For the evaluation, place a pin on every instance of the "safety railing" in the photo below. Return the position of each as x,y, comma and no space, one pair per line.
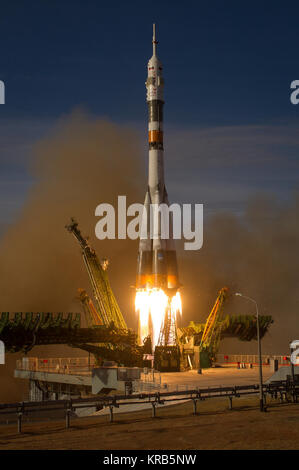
64,365
251,359
150,380
285,390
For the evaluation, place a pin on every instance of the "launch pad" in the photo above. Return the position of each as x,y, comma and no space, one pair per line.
158,301
72,378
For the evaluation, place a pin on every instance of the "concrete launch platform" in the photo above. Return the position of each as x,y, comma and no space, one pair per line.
178,381
213,377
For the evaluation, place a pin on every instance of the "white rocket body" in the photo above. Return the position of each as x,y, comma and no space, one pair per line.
157,264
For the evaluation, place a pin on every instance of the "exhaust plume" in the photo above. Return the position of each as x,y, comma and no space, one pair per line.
86,161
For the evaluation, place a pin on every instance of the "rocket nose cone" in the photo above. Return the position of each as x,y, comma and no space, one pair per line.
154,61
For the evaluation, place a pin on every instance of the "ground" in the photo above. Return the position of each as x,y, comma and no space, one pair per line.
175,427
216,427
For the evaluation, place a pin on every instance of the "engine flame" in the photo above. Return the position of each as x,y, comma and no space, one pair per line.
151,305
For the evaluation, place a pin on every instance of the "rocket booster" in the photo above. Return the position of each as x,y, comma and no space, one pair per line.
157,263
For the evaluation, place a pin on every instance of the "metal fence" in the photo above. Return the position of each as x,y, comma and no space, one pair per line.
150,377
285,390
61,365
251,359
150,380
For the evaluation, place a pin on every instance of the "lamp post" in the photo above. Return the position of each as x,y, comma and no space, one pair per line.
259,349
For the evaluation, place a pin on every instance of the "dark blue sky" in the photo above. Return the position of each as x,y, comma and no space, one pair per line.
228,66
225,62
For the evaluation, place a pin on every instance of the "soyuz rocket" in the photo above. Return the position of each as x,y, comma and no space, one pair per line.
157,263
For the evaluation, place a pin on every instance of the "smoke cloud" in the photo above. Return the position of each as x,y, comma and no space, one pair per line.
87,161
256,255
84,162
